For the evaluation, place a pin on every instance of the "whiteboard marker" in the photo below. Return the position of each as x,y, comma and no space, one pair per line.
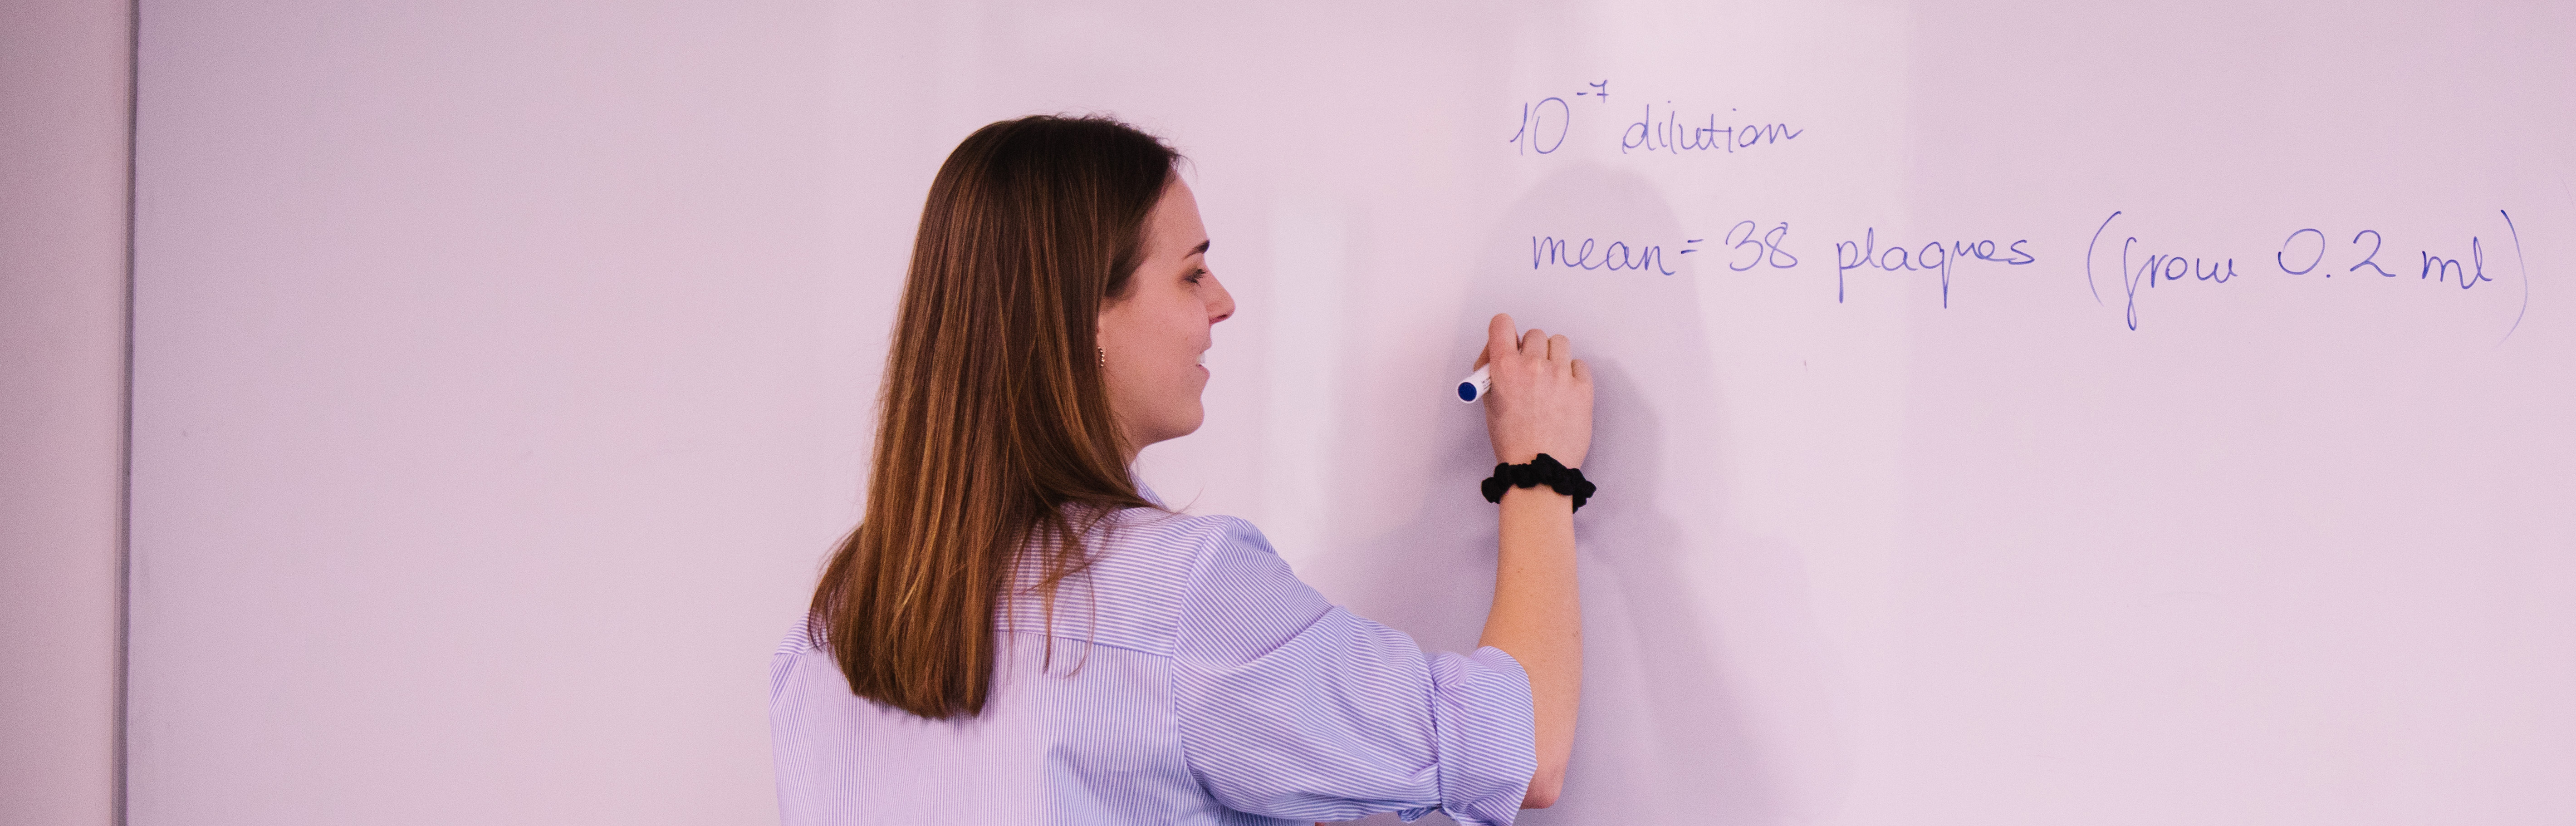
1473,387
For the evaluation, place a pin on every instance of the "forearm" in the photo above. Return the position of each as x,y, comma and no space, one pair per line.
1537,618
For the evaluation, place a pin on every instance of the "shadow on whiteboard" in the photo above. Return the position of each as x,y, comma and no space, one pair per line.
1705,696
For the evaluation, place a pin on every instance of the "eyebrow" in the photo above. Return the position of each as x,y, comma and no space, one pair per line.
1201,249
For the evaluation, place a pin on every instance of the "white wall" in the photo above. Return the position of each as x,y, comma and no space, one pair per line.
63,150
498,395
501,374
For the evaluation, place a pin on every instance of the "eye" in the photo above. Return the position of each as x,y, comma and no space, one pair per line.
1196,275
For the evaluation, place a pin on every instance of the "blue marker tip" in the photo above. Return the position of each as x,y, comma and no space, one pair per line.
1475,385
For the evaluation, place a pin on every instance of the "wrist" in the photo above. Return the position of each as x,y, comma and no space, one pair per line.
1543,470
1523,457
1542,497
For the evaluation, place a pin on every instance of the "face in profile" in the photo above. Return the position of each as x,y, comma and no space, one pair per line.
1155,337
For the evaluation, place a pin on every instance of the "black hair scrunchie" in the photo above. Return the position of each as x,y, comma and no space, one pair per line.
1543,470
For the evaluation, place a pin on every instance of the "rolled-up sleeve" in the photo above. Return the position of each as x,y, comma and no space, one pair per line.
1291,707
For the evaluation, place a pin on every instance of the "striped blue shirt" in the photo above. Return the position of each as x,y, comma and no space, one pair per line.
1190,679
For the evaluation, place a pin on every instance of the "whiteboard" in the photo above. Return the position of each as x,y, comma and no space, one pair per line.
2007,414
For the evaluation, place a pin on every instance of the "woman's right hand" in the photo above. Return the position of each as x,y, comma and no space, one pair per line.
1541,401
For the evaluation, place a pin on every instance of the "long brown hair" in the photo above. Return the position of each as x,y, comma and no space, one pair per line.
995,433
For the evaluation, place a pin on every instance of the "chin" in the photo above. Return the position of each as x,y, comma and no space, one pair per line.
1184,423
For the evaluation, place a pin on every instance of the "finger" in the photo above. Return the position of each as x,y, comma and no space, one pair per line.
1534,342
1559,348
1582,372
1499,338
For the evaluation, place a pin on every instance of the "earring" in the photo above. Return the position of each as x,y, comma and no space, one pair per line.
1104,355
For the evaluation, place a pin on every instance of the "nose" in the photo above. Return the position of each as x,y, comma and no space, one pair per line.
1220,304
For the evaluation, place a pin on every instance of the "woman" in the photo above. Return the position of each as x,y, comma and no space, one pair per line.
1019,632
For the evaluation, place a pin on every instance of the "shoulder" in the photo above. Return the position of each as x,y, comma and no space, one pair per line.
1178,541
1240,597
1145,570
1147,533
1197,558
800,639
1220,592
1167,550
